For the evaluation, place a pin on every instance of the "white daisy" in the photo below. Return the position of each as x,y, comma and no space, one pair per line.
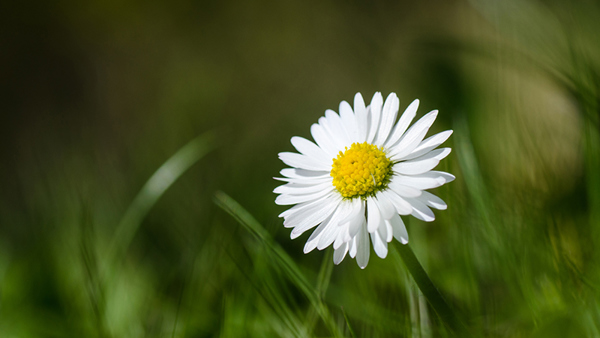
364,171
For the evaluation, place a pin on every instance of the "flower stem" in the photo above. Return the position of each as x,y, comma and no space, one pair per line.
430,292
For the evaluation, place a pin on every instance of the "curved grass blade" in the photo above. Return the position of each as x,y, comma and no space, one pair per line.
348,323
155,187
431,292
323,280
234,209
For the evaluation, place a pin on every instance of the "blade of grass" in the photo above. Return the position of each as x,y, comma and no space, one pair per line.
234,209
348,323
476,186
155,187
93,281
325,274
261,281
322,283
430,291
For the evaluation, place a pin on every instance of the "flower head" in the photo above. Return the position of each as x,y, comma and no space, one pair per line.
363,171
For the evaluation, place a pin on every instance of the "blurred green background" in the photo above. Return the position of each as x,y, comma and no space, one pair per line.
97,96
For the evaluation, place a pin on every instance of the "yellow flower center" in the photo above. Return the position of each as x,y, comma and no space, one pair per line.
361,171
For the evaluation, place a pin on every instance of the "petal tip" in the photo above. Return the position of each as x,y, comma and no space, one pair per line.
308,248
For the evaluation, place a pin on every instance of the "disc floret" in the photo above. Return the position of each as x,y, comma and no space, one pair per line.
361,170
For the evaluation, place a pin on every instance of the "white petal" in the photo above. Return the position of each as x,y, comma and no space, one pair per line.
336,135
409,141
344,235
357,219
304,174
301,224
446,176
405,120
374,218
319,180
352,247
385,206
313,240
421,211
328,236
337,128
433,201
361,117
349,121
362,241
426,180
356,206
374,114
301,189
390,231
438,154
379,245
330,233
383,232
310,149
429,144
399,229
324,140
340,253
422,164
388,118
303,162
340,237
403,190
312,205
355,224
402,206
326,231
421,181
301,206
286,199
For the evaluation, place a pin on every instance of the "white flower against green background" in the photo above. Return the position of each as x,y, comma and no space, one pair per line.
364,171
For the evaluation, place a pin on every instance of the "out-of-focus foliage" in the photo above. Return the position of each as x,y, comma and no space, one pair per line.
97,96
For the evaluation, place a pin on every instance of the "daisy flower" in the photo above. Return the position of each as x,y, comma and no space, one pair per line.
362,172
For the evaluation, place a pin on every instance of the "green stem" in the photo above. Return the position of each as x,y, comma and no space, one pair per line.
430,292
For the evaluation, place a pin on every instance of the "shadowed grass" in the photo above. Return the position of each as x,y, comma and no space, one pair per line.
280,257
